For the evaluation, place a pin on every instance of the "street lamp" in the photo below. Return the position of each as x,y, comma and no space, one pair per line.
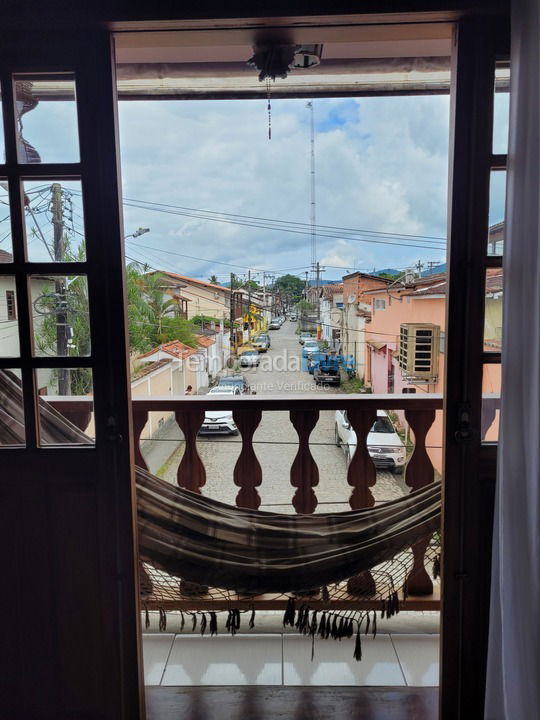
138,232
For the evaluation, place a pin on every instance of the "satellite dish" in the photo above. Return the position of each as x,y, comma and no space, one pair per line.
352,298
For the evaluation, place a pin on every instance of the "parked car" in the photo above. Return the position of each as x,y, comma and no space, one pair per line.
384,444
292,317
274,325
261,343
220,422
250,358
310,348
234,380
304,336
326,369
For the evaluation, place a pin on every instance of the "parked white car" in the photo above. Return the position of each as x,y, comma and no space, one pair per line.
249,358
220,421
384,444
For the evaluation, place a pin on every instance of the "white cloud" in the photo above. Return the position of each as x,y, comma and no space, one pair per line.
381,164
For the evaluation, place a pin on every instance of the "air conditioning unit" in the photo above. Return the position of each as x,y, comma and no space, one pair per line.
419,347
409,276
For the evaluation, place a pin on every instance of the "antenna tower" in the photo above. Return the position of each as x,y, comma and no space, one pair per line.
313,215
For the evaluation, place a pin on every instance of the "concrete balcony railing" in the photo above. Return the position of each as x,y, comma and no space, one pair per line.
303,410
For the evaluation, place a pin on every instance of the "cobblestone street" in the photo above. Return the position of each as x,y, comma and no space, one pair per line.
275,441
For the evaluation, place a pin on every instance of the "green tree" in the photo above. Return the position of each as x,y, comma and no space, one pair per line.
304,306
152,317
243,284
290,286
213,279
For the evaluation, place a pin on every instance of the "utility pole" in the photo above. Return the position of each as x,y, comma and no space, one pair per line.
318,271
249,305
232,318
419,266
59,250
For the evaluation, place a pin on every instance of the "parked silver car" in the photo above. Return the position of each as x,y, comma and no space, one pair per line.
384,444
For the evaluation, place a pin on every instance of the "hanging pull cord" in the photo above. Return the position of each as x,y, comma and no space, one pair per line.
269,108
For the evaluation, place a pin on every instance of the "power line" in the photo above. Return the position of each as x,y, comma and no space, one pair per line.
374,236
263,225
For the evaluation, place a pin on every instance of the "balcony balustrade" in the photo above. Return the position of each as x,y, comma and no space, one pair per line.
189,413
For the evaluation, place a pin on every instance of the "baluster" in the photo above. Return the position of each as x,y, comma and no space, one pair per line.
361,474
304,470
247,471
140,418
419,473
191,472
79,418
489,411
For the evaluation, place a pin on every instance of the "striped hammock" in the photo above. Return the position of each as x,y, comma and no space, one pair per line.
201,540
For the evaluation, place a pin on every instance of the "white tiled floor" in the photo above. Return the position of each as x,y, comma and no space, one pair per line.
419,658
156,649
224,660
333,662
276,659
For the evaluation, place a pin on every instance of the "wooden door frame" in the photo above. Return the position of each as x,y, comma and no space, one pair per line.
469,466
466,561
69,513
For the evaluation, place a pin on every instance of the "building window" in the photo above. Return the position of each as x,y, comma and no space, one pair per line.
10,303
379,304
419,347
339,305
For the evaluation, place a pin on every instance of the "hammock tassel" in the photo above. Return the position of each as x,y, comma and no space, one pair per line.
252,619
204,623
358,646
146,618
368,622
325,595
288,618
322,625
437,567
213,623
374,625
182,621
162,620
396,603
328,629
193,622
341,629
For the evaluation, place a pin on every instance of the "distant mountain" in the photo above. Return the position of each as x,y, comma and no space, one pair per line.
387,271
434,270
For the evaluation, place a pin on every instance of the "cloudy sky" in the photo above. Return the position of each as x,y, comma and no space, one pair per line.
381,165
220,197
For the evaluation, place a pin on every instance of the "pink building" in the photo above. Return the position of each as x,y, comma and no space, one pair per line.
405,346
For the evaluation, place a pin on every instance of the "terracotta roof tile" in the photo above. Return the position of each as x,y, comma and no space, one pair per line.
147,369
185,278
175,348
204,341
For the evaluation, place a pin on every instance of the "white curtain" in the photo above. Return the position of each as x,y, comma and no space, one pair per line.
513,676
